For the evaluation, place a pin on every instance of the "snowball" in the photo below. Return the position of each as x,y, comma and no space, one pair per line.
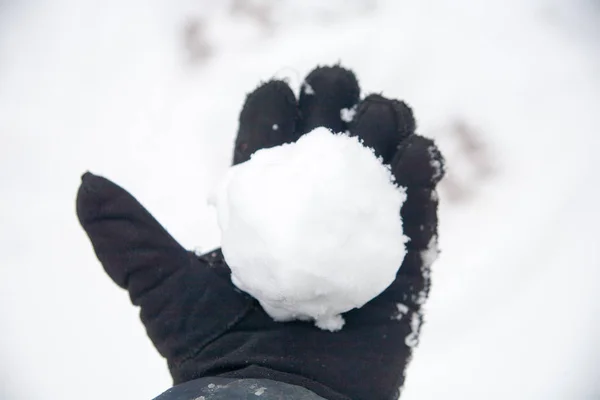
312,229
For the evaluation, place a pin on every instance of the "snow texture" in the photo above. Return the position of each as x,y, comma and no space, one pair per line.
402,311
415,326
436,164
431,253
312,229
308,89
347,114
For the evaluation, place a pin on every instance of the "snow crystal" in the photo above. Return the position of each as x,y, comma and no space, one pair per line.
330,323
307,88
275,127
431,253
260,391
402,311
435,163
421,297
428,256
311,229
415,325
347,114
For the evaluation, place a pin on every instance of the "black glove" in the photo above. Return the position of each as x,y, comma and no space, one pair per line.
205,326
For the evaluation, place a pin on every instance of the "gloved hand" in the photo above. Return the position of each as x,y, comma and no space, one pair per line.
205,326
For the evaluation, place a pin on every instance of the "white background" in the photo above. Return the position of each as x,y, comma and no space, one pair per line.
110,86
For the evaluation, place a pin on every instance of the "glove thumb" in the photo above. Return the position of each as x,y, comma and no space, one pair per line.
134,249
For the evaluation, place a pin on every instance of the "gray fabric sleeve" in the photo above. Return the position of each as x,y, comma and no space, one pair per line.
237,389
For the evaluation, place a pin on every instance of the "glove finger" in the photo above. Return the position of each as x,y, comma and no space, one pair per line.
134,249
268,119
325,93
418,163
418,166
382,124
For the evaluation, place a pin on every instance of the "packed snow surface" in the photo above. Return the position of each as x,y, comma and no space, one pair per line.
312,229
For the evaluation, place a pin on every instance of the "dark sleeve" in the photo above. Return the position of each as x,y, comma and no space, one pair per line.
213,388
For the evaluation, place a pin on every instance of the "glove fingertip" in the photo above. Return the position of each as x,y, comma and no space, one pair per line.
325,92
134,249
418,163
382,124
267,119
94,192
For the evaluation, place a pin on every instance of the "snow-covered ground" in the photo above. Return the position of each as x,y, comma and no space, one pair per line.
147,93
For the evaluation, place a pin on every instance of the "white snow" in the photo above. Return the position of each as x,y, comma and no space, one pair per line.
347,114
431,253
415,325
275,127
312,229
308,89
402,311
108,86
435,163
